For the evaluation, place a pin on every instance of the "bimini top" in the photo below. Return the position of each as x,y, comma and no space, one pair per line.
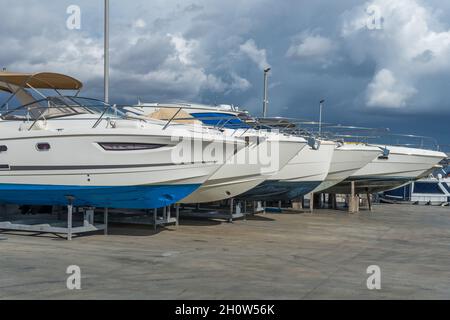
41,80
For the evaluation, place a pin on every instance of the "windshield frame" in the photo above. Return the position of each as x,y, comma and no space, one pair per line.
98,107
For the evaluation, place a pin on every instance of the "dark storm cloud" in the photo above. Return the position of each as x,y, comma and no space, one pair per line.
213,51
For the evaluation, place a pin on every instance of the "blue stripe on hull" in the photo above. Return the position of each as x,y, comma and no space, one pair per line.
123,197
280,190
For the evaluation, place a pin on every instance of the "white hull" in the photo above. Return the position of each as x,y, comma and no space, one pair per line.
308,165
239,174
235,177
77,165
401,166
300,176
347,160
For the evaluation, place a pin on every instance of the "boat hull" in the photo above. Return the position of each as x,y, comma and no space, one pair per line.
347,160
76,165
129,197
402,166
238,175
305,172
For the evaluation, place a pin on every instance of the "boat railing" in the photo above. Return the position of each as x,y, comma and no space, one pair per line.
220,123
346,133
382,136
60,108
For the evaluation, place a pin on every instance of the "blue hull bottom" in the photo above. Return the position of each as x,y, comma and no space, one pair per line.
126,197
280,190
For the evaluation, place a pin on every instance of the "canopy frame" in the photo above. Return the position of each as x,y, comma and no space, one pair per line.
34,81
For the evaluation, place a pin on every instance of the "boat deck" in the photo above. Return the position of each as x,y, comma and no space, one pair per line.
324,255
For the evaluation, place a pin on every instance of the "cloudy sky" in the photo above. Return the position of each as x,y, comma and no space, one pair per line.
378,63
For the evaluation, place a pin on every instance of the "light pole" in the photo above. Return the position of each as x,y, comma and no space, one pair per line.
320,116
106,53
265,101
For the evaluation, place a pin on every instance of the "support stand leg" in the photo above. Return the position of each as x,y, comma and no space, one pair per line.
351,204
245,210
155,218
231,210
70,200
297,204
105,220
369,200
354,199
177,211
88,217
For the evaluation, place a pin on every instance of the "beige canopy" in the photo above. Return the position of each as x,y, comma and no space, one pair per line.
168,113
42,80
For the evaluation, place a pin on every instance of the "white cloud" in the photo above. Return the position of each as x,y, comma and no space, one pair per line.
311,46
140,23
258,56
184,48
239,83
386,91
412,45
78,55
143,62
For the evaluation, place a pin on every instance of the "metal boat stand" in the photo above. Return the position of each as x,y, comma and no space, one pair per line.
353,203
234,210
152,217
48,224
295,206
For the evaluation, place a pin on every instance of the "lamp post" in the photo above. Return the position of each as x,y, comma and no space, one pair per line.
265,101
320,116
106,53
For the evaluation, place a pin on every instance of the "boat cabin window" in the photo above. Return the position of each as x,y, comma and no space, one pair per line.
3,148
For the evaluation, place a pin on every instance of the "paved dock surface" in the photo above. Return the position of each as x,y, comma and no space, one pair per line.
324,255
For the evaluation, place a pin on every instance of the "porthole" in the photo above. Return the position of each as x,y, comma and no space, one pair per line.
43,146
3,148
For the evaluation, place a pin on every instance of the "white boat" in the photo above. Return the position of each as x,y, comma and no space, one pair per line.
307,170
434,190
399,166
246,169
347,159
60,149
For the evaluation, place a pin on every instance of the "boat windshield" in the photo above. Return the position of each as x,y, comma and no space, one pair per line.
61,106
